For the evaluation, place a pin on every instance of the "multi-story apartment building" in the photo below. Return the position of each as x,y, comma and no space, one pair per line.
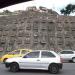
37,29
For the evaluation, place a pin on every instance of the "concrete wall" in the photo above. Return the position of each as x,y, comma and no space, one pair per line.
37,30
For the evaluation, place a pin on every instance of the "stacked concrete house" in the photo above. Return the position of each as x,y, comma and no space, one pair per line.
37,29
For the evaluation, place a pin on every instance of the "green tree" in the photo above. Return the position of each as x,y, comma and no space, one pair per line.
7,12
70,8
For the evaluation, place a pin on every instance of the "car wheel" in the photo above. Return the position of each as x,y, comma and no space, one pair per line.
53,68
5,60
14,67
73,59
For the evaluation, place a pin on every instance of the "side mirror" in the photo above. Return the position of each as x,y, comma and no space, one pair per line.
25,56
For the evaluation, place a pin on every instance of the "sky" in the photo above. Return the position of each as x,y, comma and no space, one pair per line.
50,4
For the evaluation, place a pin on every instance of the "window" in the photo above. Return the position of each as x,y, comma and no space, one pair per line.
15,52
47,54
27,41
35,41
67,52
32,55
19,41
28,27
27,34
21,34
24,51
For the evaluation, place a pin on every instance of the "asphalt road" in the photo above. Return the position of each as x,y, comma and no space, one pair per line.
68,69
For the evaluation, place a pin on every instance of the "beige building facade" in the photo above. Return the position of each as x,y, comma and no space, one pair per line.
37,29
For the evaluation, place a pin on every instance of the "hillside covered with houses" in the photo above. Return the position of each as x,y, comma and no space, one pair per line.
37,29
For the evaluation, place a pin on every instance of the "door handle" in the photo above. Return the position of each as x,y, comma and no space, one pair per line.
38,60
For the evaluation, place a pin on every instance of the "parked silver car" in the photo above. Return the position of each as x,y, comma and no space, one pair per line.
68,55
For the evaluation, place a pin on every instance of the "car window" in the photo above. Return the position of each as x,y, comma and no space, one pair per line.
47,54
67,52
16,52
24,51
32,55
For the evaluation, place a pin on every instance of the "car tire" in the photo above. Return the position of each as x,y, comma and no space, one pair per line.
53,68
5,60
14,67
73,59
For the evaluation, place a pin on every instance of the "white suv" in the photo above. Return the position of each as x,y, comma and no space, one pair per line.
68,55
39,59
